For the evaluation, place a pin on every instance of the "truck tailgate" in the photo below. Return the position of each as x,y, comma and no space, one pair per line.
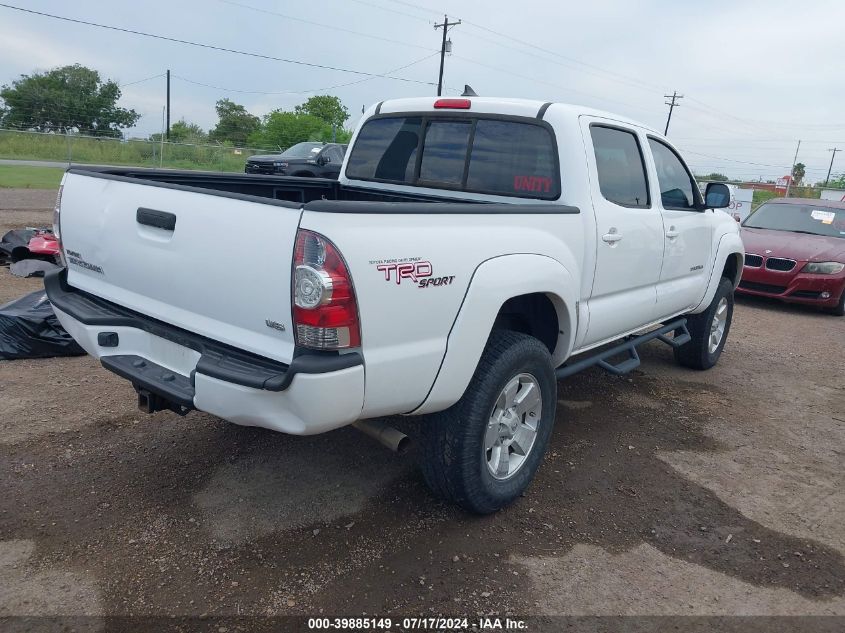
215,264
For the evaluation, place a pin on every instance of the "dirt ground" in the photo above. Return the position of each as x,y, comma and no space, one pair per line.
667,492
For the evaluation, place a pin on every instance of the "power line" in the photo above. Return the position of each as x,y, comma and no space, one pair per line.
743,162
562,64
556,54
617,77
548,83
320,24
723,125
569,62
296,92
582,66
140,81
415,7
215,47
746,122
396,11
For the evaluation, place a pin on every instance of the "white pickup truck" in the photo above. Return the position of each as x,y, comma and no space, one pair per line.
472,253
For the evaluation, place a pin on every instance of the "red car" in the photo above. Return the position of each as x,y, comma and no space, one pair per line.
795,251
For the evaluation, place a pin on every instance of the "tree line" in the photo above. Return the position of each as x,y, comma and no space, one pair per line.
77,100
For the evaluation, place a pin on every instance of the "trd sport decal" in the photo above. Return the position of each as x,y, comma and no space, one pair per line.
413,270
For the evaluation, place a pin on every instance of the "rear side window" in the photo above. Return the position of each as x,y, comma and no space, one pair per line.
386,149
620,165
445,151
494,156
512,158
336,154
676,184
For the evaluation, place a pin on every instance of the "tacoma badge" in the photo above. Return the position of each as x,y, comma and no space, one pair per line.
275,325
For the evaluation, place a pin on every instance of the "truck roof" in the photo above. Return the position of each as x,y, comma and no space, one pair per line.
504,105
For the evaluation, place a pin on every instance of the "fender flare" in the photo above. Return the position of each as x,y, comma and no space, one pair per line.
730,245
494,282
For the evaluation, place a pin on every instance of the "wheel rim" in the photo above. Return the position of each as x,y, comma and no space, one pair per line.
512,429
718,325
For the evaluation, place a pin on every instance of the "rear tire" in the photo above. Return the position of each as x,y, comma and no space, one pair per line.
709,330
483,452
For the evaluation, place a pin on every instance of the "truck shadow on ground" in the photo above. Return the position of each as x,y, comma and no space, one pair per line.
194,503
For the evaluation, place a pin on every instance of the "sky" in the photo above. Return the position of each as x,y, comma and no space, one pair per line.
756,76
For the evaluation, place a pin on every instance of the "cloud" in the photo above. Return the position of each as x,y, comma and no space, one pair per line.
756,78
31,51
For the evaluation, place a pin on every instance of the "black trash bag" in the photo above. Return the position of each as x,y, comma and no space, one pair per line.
30,329
32,268
16,240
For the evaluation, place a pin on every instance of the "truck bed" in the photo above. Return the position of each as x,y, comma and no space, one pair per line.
315,194
285,189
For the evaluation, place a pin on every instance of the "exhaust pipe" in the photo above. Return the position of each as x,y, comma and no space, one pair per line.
392,438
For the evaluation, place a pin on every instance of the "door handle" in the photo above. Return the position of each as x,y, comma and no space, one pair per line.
612,236
158,219
672,233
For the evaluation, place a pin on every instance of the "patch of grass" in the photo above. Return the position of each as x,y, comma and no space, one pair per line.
108,151
29,177
761,196
764,195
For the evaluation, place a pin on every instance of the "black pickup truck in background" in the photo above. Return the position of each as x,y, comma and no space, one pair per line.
311,159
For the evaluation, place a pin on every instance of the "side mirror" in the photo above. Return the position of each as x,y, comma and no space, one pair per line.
324,159
717,196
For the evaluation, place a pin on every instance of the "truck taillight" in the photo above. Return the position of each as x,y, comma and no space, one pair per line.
57,224
325,312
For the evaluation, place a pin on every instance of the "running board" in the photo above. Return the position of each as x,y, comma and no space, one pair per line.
681,337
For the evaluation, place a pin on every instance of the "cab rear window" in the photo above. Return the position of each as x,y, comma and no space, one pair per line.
497,156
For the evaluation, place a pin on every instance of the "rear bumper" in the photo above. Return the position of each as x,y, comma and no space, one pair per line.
312,394
793,287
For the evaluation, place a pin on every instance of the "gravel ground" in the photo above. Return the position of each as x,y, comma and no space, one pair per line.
665,492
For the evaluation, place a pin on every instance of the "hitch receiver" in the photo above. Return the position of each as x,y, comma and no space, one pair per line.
149,402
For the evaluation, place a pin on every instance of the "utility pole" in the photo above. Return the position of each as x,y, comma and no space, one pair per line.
167,128
792,170
674,97
445,26
834,150
161,152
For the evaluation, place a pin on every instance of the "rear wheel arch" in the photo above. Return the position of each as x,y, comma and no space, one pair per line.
533,314
522,287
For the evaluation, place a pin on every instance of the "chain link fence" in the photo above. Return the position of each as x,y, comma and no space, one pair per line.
95,150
